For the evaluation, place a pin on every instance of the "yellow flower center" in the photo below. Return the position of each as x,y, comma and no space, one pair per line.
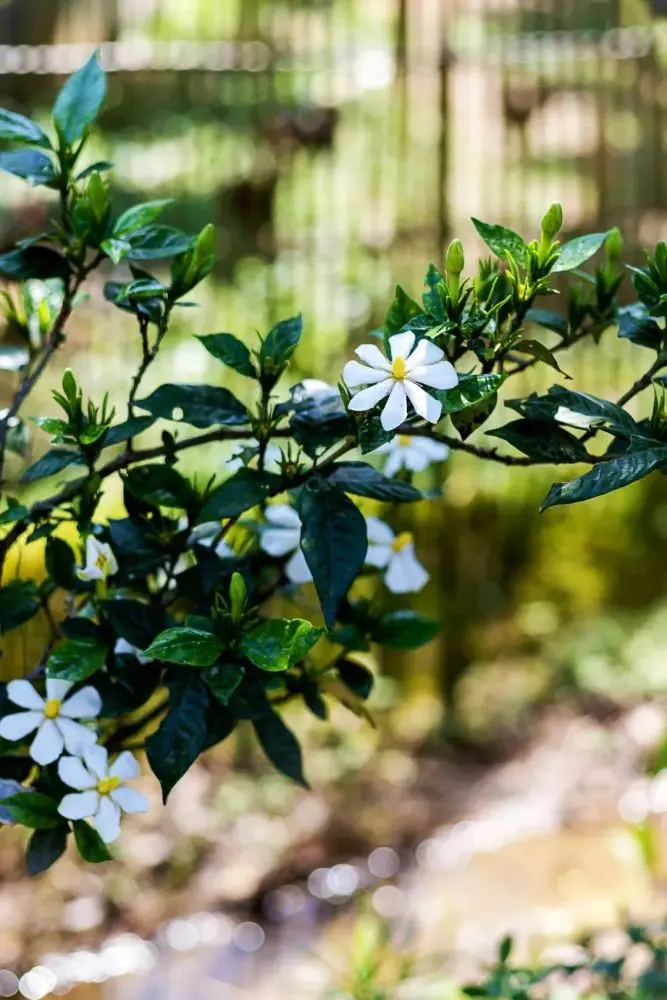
102,562
404,440
401,541
398,368
52,708
107,785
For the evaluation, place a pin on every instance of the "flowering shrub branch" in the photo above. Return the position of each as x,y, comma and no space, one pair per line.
170,640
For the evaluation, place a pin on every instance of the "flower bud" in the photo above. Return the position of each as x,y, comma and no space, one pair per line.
552,221
237,596
454,259
614,246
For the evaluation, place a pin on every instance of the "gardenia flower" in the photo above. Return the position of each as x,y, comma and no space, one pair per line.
413,453
284,536
395,554
53,718
101,791
400,379
100,561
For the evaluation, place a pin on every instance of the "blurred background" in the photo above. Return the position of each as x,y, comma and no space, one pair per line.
515,778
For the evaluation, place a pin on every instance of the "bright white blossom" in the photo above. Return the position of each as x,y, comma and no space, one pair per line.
395,554
272,457
413,453
400,379
102,794
100,561
53,717
282,537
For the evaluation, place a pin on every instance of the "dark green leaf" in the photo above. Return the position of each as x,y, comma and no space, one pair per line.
128,429
281,746
33,262
55,460
231,351
242,491
401,311
156,243
183,733
537,349
542,442
363,480
89,844
333,540
77,659
19,601
356,677
99,167
281,342
139,216
198,405
31,165
61,563
15,511
44,849
432,299
279,643
505,949
594,412
188,646
32,809
636,324
502,241
607,476
18,128
472,389
372,434
404,630
319,420
78,103
223,680
159,485
550,320
134,621
471,419
575,253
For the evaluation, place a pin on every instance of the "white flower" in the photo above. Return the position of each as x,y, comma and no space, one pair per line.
205,534
125,648
100,561
564,415
395,554
101,792
272,458
401,379
413,453
284,536
53,718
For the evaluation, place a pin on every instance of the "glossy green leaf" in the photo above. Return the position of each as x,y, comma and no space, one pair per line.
182,735
52,462
357,678
60,563
45,847
607,476
33,262
128,429
139,216
536,349
89,844
575,253
404,629
362,480
34,810
245,489
18,128
159,485
279,643
223,679
19,602
502,241
134,621
30,165
280,746
550,320
198,405
188,646
79,101
402,310
372,434
281,342
472,389
156,242
231,351
637,325
473,417
542,442
77,659
566,404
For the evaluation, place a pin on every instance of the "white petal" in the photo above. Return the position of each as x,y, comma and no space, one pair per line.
425,353
56,690
394,463
368,398
279,541
79,805
415,460
22,693
96,760
87,574
405,574
396,408
378,555
436,451
379,531
355,374
426,406
297,569
401,344
223,550
73,773
107,819
15,727
48,745
129,800
75,736
112,567
440,376
84,704
373,356
282,516
125,766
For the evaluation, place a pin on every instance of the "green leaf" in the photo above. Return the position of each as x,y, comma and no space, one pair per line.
156,243
402,310
61,563
134,621
575,253
404,630
432,299
159,485
33,262
128,429
607,476
362,480
472,389
637,325
502,241
194,265
594,412
333,540
357,678
89,844
223,679
30,165
45,847
537,349
231,351
280,746
372,434
320,420
188,646
15,511
471,419
279,643
79,102
281,342
19,602
550,320
139,216
542,442
245,489
77,659
116,250
34,810
18,128
198,405
55,460
183,733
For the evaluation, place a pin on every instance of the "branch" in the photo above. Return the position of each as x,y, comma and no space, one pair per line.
490,454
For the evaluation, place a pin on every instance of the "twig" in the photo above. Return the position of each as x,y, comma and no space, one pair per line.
490,454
